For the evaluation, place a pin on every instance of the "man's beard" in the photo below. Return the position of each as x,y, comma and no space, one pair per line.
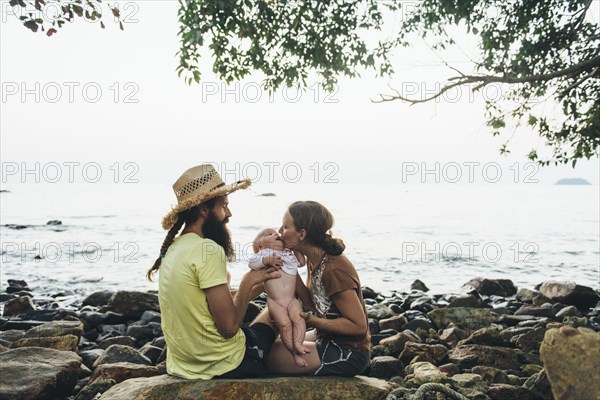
216,230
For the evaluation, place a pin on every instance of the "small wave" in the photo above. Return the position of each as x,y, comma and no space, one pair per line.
77,279
92,216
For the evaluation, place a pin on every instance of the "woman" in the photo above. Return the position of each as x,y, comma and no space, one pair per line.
340,344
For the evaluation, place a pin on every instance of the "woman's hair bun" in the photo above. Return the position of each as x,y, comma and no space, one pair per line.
333,246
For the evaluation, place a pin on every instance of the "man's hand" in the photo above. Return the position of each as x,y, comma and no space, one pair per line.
273,261
257,277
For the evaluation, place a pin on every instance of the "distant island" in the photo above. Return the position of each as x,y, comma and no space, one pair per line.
572,181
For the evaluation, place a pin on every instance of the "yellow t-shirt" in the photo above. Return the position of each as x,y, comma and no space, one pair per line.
195,349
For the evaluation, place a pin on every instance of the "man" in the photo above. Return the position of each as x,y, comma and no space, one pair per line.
201,317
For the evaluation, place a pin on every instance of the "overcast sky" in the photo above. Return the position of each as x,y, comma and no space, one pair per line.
146,116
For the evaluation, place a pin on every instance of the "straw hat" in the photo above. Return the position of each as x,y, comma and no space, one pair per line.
197,185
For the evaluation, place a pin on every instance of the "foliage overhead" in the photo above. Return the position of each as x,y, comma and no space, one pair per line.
540,53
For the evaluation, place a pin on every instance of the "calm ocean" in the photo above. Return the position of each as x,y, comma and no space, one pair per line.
441,234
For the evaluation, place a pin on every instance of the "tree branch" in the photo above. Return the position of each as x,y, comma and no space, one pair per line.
483,80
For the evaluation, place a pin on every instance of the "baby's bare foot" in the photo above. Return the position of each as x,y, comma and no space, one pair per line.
301,349
300,361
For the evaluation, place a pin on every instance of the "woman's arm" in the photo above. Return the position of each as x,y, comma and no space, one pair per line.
303,294
353,321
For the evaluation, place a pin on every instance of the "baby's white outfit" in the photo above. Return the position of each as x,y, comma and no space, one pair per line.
290,262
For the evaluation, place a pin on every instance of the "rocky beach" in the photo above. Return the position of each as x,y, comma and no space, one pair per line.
490,341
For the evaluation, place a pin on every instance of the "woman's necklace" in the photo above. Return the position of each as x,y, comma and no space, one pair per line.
319,294
321,263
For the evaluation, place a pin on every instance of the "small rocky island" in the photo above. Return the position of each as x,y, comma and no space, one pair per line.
492,341
572,181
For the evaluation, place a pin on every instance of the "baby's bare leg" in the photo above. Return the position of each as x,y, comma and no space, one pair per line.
299,325
286,329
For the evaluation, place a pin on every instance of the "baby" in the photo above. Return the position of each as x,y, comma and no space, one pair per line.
284,308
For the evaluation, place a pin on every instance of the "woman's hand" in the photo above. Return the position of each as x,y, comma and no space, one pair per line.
307,317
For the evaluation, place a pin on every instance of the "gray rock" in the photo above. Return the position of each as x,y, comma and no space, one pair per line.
88,357
11,335
488,287
385,367
423,303
113,330
535,311
419,285
471,381
490,375
469,356
501,391
122,371
488,336
373,326
84,372
469,318
159,342
569,311
132,304
396,322
539,385
395,344
30,373
531,340
92,319
582,297
418,323
453,334
63,343
449,369
98,299
369,293
152,352
89,392
17,306
151,316
119,353
122,340
466,300
140,333
420,373
379,350
379,311
435,354
56,328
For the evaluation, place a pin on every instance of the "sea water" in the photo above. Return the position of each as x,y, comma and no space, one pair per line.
443,235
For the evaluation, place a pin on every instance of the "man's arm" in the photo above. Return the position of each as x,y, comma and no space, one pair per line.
228,311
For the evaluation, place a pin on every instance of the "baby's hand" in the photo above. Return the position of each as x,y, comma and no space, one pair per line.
272,260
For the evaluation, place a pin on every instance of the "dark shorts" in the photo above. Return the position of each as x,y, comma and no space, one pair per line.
259,340
342,361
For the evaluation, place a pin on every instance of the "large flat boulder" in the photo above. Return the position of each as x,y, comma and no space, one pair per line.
571,359
29,373
56,328
165,387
